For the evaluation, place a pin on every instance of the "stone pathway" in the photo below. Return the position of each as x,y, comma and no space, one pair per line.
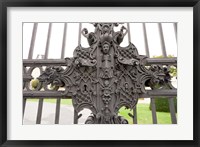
48,114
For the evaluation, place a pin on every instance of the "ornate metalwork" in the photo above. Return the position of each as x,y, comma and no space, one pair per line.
105,76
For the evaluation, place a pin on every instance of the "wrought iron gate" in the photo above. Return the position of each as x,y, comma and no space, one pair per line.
103,77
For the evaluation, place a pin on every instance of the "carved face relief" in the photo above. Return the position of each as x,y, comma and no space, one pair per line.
105,29
106,48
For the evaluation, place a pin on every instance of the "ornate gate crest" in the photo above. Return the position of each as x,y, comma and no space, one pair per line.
105,76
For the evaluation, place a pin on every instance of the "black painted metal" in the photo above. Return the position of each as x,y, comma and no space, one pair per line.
105,76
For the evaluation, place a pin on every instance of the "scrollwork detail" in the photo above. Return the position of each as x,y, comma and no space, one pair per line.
105,76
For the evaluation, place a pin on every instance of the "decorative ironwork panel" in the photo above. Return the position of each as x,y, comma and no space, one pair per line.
105,76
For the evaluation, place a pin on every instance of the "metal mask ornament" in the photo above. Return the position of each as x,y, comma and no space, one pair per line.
105,76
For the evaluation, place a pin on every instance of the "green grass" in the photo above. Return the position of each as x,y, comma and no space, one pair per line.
144,115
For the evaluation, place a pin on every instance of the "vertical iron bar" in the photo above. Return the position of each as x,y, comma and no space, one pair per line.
79,35
162,41
172,110
170,100
146,40
39,112
40,105
48,41
58,100
30,54
129,34
24,105
175,29
31,49
64,41
135,115
153,106
153,111
75,117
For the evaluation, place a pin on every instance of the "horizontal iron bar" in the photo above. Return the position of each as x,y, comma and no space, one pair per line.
58,94
45,94
163,61
155,93
42,62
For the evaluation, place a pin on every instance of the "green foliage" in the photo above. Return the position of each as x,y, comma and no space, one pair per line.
162,104
34,83
173,71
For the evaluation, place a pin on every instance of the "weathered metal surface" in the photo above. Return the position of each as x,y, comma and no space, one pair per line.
52,94
103,77
60,62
